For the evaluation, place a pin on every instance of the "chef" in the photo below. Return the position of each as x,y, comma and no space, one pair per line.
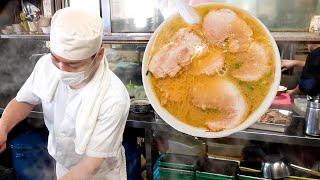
85,105
309,82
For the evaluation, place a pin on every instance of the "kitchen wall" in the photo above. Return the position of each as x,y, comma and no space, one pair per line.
277,15
280,15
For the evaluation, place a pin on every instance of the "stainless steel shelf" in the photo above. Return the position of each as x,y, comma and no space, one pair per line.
274,137
296,37
43,37
126,38
117,38
292,135
114,38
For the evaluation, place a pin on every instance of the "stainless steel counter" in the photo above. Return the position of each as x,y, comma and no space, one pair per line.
293,134
144,37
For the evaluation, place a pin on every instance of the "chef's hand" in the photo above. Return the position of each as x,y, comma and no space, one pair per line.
295,91
287,64
73,175
3,138
84,169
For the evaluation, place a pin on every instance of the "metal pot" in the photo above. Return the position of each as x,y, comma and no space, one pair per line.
276,167
312,119
140,106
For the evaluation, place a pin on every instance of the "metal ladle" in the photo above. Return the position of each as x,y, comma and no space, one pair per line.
275,167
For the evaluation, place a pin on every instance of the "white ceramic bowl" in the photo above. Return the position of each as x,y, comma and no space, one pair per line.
281,89
17,28
9,29
46,30
5,31
201,132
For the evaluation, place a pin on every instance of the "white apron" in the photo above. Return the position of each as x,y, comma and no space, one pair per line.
109,170
62,141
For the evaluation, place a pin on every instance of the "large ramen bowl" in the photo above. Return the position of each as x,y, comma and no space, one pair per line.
203,132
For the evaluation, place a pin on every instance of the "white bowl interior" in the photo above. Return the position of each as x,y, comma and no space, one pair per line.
201,132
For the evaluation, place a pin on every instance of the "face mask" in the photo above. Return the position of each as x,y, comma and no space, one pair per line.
72,78
76,78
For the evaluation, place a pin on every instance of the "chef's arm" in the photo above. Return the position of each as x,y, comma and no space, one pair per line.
87,167
292,63
299,63
14,113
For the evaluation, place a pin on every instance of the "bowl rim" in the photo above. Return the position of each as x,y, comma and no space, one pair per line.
133,101
203,132
284,88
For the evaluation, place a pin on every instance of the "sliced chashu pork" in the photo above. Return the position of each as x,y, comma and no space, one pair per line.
177,55
224,96
253,63
225,29
211,64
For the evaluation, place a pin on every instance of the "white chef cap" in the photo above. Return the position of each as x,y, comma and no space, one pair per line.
76,34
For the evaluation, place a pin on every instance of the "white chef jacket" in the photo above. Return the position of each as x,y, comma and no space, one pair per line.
59,117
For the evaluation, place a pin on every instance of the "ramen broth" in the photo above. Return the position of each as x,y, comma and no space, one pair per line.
174,92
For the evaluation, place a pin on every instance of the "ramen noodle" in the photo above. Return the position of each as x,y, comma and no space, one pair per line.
213,74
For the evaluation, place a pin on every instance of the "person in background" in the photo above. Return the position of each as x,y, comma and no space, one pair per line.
85,105
7,12
309,82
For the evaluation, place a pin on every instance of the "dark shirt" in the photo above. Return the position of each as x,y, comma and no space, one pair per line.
310,77
312,67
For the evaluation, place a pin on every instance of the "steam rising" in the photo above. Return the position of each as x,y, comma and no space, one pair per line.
16,65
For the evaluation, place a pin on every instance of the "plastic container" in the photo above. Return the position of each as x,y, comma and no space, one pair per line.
175,174
46,30
177,166
211,176
214,169
250,170
17,28
30,158
6,174
178,161
156,167
248,177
